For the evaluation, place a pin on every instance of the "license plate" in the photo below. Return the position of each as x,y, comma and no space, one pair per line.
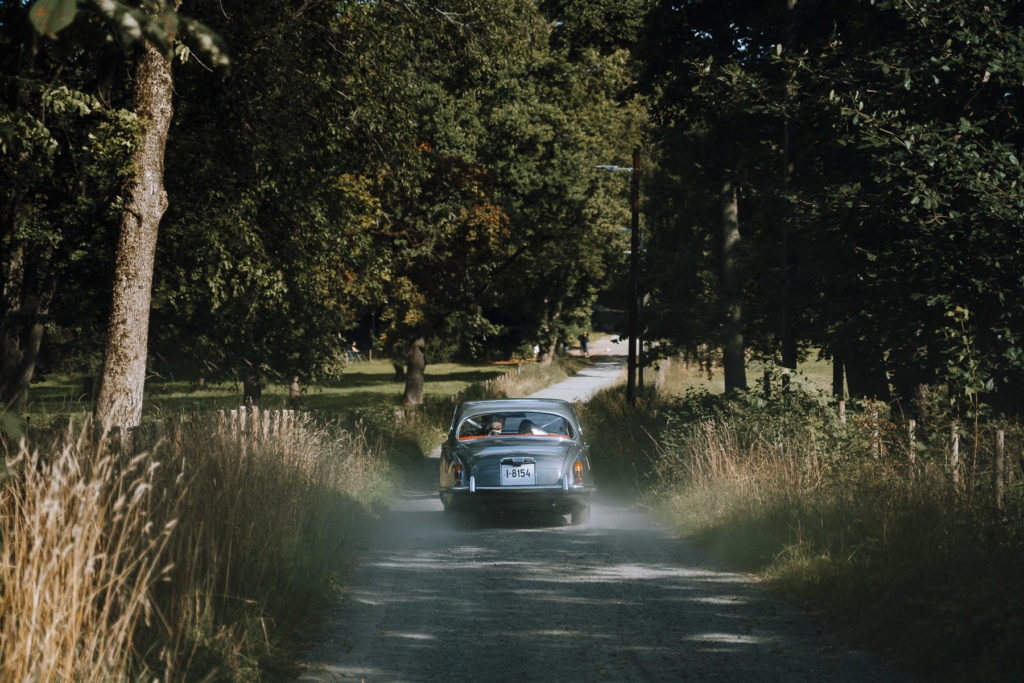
518,475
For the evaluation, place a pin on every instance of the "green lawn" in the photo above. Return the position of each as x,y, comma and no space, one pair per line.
679,378
366,382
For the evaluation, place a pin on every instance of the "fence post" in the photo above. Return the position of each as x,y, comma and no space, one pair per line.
255,426
842,411
876,437
234,422
176,427
220,423
1000,473
954,459
912,438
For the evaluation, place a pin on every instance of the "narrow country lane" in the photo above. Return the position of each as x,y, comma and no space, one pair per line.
531,598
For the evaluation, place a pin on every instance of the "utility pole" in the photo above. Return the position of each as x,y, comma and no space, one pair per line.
634,285
634,281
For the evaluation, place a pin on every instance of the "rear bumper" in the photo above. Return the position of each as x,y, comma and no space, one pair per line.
564,498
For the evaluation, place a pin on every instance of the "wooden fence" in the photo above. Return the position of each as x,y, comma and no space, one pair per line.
257,424
975,459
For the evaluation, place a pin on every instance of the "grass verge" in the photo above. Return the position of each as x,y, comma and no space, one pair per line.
60,397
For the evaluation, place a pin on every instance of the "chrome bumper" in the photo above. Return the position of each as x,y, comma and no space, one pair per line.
564,485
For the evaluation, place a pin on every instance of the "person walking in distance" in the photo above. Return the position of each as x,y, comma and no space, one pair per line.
585,344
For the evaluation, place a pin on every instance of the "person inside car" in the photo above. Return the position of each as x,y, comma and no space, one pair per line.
527,427
497,424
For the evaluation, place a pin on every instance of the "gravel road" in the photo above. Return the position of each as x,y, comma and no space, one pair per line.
530,598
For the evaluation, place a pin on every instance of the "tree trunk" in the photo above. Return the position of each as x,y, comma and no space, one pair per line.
837,376
124,364
13,294
415,374
32,341
25,306
548,353
733,361
548,350
252,387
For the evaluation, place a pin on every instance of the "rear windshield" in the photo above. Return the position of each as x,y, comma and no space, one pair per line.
527,424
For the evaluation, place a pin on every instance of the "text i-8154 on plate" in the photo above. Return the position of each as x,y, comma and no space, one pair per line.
518,475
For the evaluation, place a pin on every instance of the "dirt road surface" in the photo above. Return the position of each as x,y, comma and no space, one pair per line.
531,598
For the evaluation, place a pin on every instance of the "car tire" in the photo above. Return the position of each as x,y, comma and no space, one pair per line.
580,515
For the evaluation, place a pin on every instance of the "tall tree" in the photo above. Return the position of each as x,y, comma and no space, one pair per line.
152,27
124,364
787,313
716,156
913,176
733,361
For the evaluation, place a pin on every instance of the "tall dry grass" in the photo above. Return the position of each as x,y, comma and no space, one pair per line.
80,555
194,558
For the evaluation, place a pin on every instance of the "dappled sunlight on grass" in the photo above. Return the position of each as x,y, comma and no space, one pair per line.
362,382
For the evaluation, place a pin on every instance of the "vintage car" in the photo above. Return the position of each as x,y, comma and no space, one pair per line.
519,454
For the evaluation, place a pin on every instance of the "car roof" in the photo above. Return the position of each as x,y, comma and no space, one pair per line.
508,405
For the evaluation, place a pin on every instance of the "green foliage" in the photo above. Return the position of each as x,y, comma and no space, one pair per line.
382,169
156,21
61,175
50,16
904,200
420,143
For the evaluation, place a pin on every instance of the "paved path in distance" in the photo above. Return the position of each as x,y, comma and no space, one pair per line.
608,367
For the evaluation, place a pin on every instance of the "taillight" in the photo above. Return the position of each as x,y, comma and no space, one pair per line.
457,471
577,473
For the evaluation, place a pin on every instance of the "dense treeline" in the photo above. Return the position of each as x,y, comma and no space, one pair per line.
819,176
875,149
